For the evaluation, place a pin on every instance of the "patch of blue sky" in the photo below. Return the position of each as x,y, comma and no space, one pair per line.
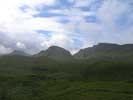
46,11
96,4
124,21
48,14
93,6
63,20
65,3
78,41
126,1
60,4
45,33
85,8
91,19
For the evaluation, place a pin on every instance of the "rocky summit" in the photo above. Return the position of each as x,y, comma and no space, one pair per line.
105,50
56,53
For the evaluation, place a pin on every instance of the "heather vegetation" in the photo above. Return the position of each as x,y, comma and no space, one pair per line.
43,78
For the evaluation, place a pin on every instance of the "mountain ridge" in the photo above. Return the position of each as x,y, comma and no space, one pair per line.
55,52
99,50
18,53
104,49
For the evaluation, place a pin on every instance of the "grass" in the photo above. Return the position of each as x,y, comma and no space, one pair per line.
46,79
23,89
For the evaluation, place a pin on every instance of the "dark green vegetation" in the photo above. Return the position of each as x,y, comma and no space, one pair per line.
105,75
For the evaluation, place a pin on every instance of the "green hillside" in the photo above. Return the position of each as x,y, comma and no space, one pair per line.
43,78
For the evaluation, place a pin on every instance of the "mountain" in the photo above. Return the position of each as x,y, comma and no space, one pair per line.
105,50
18,53
56,53
22,77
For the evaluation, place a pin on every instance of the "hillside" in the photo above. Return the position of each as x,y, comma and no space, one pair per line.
104,73
106,50
56,53
94,61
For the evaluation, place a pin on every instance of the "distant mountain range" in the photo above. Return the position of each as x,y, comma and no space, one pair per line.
104,69
105,50
99,50
103,61
20,53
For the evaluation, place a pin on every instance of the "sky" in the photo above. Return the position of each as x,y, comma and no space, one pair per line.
34,25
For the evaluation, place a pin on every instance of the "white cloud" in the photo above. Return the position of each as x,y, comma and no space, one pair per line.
61,40
110,11
4,50
20,45
13,19
19,28
106,29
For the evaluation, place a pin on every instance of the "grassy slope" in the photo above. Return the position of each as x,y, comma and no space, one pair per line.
24,78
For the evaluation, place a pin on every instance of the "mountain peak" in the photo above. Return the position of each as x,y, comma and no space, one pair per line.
55,52
104,50
18,53
56,48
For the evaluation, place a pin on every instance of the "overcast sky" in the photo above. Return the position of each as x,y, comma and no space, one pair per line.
34,25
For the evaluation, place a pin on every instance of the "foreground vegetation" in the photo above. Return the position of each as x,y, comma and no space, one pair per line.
41,78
